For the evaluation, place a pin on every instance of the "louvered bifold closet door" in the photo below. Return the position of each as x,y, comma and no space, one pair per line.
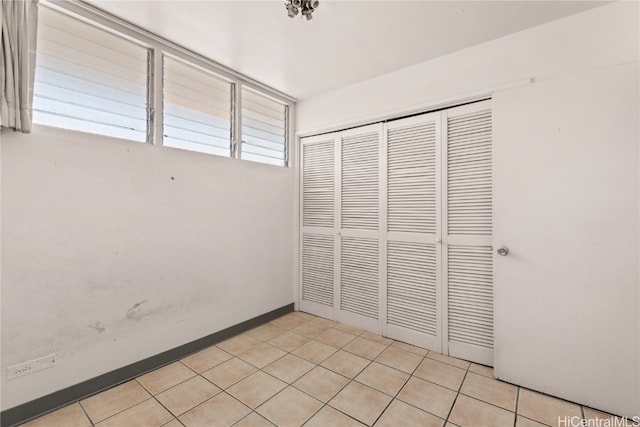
319,226
360,227
413,224
469,272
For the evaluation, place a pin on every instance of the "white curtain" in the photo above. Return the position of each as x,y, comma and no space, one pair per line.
17,71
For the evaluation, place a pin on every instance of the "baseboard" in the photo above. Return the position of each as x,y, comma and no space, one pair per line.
38,407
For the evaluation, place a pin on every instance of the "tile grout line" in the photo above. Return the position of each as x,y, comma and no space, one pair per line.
161,404
334,395
439,385
325,404
337,373
453,404
289,385
253,411
175,416
175,385
479,399
515,421
85,413
206,379
206,400
128,407
535,421
172,420
487,403
354,377
123,410
393,398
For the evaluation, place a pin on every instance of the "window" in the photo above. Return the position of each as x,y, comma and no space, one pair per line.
197,109
88,79
264,129
100,75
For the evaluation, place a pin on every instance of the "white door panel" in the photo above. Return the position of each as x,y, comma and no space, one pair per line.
467,256
566,205
317,237
358,285
413,280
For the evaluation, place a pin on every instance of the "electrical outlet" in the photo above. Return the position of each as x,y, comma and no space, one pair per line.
31,366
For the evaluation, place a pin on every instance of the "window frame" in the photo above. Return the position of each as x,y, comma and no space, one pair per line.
157,48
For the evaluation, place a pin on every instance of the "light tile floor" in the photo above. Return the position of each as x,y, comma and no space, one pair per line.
305,370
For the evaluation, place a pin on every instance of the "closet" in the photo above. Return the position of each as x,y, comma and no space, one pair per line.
396,229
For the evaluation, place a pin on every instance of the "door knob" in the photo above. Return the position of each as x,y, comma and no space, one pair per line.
503,251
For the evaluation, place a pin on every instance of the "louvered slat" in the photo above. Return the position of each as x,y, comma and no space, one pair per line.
411,286
470,295
411,169
359,208
469,180
318,184
263,128
317,268
197,109
359,276
88,79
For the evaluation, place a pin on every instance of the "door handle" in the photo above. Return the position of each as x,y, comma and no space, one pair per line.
503,251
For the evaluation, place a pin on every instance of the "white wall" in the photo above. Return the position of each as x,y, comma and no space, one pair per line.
113,251
598,39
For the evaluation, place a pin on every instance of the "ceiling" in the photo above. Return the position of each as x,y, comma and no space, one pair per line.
345,42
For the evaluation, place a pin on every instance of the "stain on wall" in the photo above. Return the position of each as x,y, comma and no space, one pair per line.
98,327
134,311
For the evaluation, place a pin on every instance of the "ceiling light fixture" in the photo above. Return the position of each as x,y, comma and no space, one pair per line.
306,7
